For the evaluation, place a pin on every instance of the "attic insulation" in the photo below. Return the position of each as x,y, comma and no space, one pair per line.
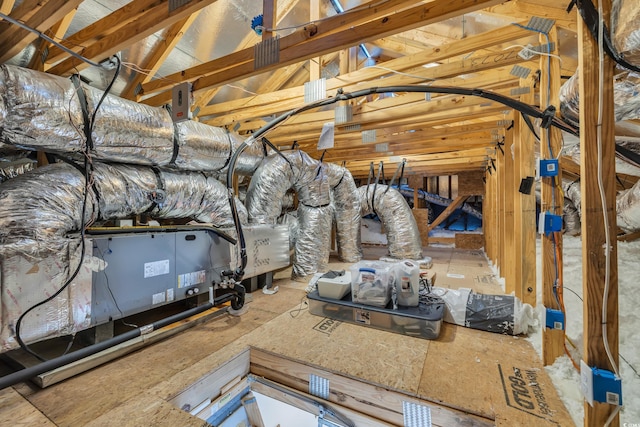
44,112
391,207
38,209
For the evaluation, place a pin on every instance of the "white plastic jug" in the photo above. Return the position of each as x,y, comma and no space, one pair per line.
407,282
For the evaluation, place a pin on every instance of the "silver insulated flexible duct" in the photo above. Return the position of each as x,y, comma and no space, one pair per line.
324,190
391,207
39,111
39,208
626,97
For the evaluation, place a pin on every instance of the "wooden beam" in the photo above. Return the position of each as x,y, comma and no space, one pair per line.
510,263
6,6
154,19
42,17
314,63
56,32
269,18
525,206
250,405
151,64
551,201
412,63
113,22
457,202
596,272
321,30
500,210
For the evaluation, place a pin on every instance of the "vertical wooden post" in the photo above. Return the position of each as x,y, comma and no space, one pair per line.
552,199
314,63
268,17
500,212
509,262
489,215
594,226
525,207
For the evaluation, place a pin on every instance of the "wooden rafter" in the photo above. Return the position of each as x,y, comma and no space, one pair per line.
160,52
36,15
245,56
141,26
57,31
278,101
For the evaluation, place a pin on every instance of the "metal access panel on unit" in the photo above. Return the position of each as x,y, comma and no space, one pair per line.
140,274
200,259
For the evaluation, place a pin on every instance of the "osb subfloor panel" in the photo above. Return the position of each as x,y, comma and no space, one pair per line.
495,376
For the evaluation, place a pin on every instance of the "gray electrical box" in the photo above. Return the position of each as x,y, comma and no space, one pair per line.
181,102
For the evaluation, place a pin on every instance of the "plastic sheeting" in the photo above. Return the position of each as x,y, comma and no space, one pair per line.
625,15
503,314
54,197
391,207
626,97
39,111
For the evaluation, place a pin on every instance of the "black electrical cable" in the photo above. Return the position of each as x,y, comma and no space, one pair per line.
522,107
591,18
47,38
28,373
88,173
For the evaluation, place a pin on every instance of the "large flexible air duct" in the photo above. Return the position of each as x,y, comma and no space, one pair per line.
323,190
39,111
266,193
626,97
628,214
39,208
391,207
625,15
346,201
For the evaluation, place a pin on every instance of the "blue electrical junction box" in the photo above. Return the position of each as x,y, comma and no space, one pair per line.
548,223
554,319
547,167
600,385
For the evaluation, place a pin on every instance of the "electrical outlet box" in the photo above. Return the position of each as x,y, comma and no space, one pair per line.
548,223
600,385
553,319
181,102
546,167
